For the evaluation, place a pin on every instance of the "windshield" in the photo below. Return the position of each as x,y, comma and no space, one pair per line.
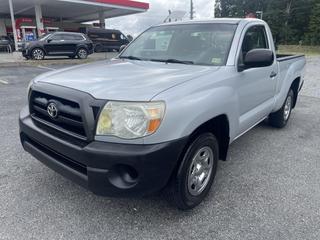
201,44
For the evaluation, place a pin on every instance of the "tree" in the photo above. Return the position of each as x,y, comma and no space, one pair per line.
313,34
288,19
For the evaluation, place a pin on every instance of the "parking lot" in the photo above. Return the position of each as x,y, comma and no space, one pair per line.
268,189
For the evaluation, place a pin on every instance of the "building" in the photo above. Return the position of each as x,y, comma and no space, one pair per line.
28,19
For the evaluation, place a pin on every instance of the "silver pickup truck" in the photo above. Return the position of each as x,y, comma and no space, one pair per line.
161,114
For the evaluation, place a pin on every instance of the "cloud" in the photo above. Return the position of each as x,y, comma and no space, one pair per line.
135,24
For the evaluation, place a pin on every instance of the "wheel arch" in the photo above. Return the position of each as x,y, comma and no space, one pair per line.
82,46
219,126
295,88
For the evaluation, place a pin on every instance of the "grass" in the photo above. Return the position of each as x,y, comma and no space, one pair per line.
297,49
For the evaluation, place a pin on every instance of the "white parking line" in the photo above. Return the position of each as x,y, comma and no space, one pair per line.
3,82
44,67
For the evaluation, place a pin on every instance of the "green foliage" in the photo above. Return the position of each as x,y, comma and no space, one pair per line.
291,21
312,37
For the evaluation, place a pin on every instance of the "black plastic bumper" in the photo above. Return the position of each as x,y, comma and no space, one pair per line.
25,53
107,169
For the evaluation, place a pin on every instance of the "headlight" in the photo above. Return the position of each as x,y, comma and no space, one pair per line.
130,119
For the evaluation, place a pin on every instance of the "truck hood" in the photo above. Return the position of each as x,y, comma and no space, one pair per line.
120,79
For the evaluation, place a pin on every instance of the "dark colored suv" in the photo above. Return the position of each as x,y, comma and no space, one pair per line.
59,44
107,39
6,43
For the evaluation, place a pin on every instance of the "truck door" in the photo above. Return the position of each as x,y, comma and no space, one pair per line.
255,86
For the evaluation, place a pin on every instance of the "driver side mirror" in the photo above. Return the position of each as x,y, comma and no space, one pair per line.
256,58
49,40
122,48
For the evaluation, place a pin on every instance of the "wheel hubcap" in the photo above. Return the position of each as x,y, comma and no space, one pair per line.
82,53
37,54
287,108
200,171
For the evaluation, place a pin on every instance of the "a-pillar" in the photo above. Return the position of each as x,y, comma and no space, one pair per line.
39,19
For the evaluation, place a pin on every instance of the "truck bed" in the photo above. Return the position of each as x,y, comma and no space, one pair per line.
286,57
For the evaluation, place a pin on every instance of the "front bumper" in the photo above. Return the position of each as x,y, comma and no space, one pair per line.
25,52
107,169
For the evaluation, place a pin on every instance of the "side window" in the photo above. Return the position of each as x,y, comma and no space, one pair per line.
68,37
57,37
77,37
254,38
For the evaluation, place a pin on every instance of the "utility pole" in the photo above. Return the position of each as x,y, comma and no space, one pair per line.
191,9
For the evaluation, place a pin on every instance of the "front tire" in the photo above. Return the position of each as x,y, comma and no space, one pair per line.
280,118
37,54
82,53
195,175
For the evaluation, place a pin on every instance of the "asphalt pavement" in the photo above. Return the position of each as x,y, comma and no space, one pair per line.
268,188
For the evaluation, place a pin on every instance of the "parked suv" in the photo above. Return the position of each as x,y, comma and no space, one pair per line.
59,44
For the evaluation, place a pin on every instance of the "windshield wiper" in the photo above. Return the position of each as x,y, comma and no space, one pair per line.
131,57
172,60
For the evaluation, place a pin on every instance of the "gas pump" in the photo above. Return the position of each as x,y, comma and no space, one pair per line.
28,33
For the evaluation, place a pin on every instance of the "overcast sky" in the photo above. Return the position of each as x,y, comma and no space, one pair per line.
158,11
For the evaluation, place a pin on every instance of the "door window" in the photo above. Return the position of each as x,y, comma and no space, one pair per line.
78,37
73,37
57,37
255,38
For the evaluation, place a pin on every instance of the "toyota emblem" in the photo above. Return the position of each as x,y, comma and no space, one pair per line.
52,110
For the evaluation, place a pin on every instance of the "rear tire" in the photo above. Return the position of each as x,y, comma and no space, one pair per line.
194,177
98,49
280,118
82,53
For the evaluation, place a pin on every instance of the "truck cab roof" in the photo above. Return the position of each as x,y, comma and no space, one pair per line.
216,20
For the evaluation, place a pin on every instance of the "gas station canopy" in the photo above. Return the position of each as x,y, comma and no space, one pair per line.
26,19
74,10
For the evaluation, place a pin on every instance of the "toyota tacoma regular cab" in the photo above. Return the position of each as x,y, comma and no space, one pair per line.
162,113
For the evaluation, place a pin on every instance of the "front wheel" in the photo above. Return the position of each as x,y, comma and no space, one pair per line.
280,118
82,53
193,180
37,54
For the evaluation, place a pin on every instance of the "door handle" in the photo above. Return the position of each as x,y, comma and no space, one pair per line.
273,74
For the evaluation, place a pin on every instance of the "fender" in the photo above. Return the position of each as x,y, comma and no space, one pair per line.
186,112
284,82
